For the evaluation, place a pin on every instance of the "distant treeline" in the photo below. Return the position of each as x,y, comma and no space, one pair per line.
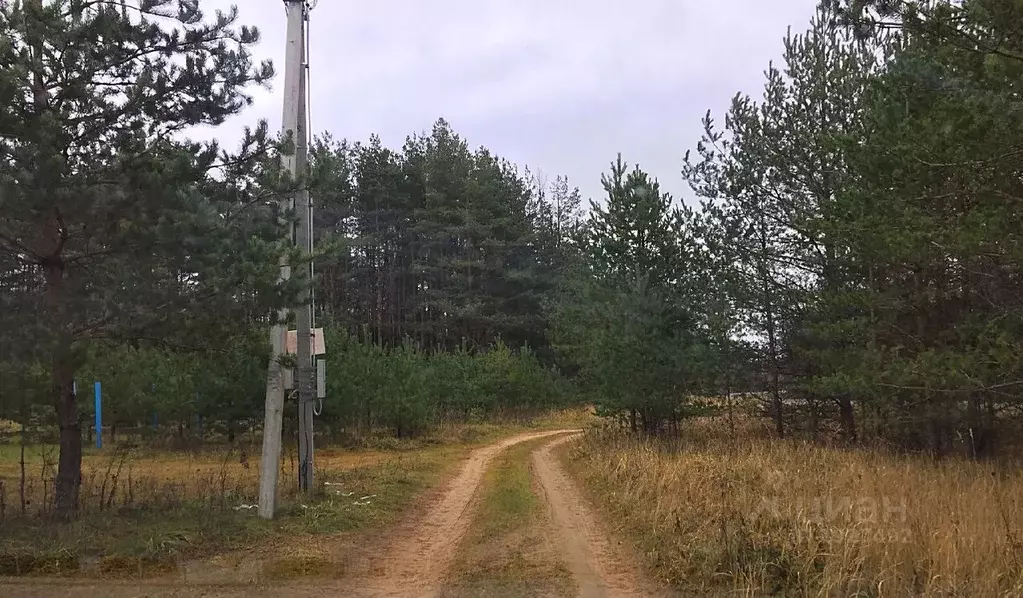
185,399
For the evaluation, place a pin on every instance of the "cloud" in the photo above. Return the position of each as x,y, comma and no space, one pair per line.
560,85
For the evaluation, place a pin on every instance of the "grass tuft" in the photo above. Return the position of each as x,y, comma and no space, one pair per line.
296,567
119,566
49,562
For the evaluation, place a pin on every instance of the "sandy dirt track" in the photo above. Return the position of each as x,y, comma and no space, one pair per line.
600,569
418,561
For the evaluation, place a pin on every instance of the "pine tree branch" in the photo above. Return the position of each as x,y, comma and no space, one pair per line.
16,248
991,388
970,163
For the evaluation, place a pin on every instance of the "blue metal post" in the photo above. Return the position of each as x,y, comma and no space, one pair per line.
99,415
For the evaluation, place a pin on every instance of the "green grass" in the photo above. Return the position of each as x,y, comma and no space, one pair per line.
509,501
11,452
507,551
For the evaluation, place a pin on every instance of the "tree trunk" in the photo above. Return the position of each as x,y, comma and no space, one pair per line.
772,341
937,437
991,433
731,413
69,464
776,401
23,478
978,430
54,235
848,418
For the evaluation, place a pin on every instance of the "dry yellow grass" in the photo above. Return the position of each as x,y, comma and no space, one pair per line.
759,516
194,475
119,477
211,540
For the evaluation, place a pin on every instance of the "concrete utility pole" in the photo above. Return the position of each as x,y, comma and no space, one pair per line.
294,94
306,382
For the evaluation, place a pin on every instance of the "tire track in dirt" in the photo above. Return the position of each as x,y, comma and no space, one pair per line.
598,568
416,562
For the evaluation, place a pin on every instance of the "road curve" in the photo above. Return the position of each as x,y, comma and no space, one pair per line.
417,561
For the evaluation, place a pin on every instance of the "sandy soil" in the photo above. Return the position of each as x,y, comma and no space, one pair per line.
416,564
599,566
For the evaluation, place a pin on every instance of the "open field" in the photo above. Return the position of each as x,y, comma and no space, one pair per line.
152,512
509,523
747,515
545,511
132,474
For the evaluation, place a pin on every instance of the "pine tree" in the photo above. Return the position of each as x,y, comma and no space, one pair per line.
933,227
625,316
773,183
436,242
112,228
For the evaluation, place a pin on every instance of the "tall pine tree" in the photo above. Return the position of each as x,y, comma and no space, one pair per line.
111,227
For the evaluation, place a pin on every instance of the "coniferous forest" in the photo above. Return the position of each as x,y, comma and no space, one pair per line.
848,260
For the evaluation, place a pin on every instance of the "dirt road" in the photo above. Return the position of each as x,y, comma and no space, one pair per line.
416,562
598,567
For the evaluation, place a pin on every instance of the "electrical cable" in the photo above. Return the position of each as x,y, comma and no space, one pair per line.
318,406
309,129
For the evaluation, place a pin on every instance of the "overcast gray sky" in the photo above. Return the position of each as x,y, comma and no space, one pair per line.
558,85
